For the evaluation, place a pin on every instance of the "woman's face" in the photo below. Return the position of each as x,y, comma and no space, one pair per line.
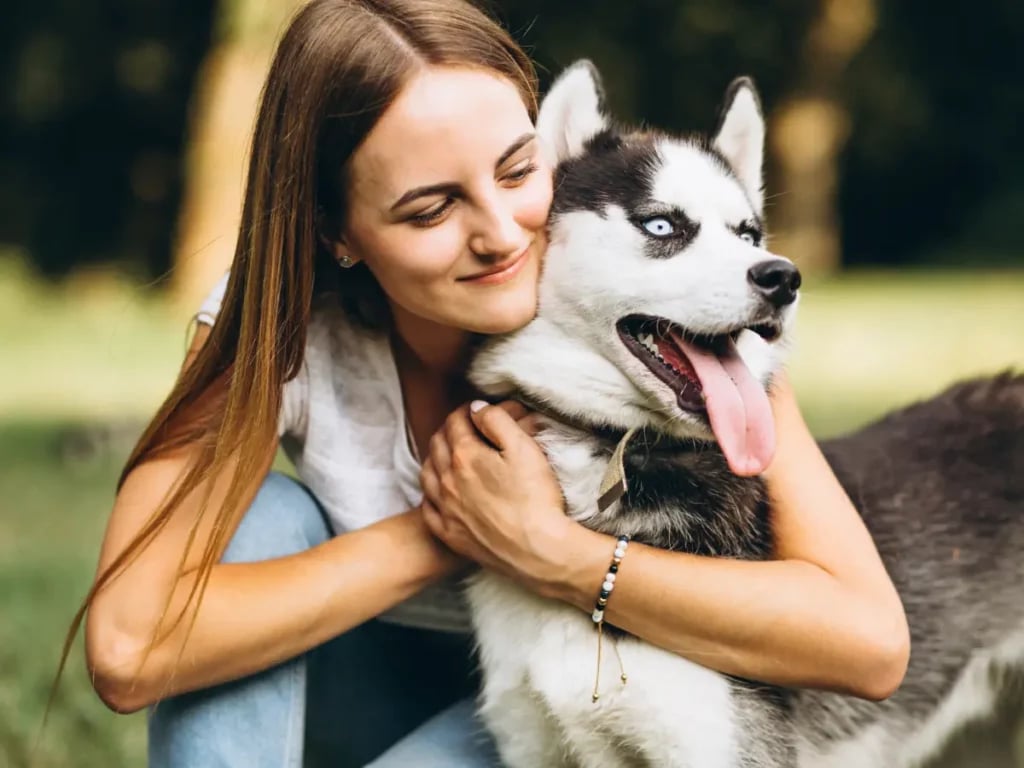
448,201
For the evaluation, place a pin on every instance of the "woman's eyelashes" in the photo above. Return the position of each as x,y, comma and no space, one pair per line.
436,213
432,215
521,172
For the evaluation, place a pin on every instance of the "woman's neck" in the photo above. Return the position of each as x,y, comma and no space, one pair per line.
431,360
430,350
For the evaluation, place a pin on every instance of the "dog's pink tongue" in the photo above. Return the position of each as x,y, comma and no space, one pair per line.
737,405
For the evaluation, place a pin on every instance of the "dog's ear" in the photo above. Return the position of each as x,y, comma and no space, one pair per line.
740,137
572,112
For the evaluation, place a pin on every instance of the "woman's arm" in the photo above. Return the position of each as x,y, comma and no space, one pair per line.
823,615
253,615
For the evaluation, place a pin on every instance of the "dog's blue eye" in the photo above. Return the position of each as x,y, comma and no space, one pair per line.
749,234
659,226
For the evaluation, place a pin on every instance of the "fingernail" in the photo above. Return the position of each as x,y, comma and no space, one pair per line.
476,405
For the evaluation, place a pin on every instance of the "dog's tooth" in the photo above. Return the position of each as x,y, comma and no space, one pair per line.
648,343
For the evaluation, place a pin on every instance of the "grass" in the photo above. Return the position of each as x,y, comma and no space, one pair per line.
99,351
869,341
51,519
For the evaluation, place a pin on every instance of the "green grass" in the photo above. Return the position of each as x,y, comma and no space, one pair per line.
52,514
866,342
100,351
94,347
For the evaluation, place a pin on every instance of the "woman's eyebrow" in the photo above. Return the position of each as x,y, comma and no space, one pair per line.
450,186
446,187
514,147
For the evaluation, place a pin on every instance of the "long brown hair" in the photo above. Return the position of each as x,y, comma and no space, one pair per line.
337,68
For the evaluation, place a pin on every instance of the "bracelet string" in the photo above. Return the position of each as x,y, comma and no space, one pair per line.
607,586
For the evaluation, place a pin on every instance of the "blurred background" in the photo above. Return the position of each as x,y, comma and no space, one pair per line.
896,181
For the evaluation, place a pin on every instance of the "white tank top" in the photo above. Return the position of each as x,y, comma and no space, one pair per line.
343,426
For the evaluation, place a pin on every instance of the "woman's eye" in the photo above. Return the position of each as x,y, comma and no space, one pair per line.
659,226
432,215
521,173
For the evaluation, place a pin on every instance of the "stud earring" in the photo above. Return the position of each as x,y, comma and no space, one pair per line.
345,262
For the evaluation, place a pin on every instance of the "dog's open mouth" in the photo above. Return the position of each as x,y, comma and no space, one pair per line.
709,378
659,344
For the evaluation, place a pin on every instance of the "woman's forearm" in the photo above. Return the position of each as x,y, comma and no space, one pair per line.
255,615
785,622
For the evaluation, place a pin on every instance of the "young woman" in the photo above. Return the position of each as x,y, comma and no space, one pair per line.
395,211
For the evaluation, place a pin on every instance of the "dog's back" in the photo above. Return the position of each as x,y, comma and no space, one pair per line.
941,487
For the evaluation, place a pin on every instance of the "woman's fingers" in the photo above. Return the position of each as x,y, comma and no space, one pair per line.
439,451
499,423
430,482
433,519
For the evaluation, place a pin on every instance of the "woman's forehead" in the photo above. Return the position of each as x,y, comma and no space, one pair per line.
444,124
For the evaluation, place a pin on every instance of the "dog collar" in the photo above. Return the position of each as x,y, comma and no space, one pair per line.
614,484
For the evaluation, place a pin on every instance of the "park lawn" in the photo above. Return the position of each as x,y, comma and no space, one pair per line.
52,514
98,354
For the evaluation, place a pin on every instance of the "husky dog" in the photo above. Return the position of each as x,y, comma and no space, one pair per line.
660,309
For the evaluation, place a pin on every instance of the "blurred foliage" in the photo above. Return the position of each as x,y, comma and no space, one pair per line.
936,163
92,122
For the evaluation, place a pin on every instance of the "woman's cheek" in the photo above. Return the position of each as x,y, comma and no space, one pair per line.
429,252
536,203
442,248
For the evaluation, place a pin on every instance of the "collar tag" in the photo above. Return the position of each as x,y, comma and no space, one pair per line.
614,483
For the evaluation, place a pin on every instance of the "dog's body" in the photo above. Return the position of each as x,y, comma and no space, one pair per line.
658,302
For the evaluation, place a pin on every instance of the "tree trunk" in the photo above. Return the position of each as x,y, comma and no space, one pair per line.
807,134
223,113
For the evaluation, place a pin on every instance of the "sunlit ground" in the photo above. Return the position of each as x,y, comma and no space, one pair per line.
83,364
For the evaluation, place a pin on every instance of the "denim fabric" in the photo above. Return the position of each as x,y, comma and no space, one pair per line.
378,688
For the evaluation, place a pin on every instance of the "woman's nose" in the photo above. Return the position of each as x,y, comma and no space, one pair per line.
496,234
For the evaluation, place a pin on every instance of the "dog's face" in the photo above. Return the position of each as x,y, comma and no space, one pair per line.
657,265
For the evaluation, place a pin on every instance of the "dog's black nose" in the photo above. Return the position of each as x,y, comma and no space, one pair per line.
776,279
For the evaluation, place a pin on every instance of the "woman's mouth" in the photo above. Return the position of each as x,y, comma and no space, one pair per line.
502,272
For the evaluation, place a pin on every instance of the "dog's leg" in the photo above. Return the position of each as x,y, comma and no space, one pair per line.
671,714
595,747
524,729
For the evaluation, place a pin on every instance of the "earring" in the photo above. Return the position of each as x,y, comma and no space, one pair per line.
345,262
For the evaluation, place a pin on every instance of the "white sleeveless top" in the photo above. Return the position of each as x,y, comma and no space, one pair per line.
344,428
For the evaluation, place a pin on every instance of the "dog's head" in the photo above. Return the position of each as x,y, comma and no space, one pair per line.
659,304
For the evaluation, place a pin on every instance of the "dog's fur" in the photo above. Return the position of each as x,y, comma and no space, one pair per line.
940,484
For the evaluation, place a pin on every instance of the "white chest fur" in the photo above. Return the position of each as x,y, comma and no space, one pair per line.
539,661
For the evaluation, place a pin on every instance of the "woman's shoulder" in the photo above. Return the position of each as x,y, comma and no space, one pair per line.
336,347
341,362
332,337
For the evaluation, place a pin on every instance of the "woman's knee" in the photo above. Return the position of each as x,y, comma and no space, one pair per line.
283,519
257,722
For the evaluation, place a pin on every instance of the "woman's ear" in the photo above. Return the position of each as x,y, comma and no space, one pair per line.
341,254
334,242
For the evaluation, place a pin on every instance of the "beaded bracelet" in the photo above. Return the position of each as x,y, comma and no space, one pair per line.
598,615
609,579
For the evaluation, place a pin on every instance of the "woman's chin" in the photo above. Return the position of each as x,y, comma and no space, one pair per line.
505,316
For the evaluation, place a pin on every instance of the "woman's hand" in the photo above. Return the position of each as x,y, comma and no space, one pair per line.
490,494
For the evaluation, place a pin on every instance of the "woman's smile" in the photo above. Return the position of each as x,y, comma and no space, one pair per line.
502,272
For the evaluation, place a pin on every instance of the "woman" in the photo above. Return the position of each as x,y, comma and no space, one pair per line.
394,212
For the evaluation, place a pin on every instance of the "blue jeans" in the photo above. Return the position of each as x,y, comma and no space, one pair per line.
380,694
